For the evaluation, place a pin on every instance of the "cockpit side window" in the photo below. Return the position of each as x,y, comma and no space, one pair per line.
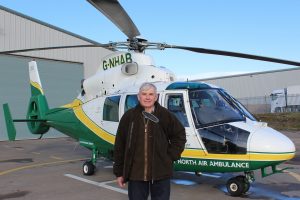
175,105
111,108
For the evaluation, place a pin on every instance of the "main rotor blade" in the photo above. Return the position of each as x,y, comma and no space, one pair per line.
234,54
57,47
115,13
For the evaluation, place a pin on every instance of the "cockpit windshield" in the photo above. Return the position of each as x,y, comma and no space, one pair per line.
239,105
210,107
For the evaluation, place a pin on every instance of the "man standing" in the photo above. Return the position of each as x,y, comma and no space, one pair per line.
145,147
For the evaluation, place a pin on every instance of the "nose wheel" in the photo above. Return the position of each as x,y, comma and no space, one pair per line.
238,186
88,168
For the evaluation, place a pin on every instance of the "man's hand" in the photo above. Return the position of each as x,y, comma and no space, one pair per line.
120,181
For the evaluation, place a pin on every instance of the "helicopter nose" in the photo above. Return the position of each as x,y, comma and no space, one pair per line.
270,145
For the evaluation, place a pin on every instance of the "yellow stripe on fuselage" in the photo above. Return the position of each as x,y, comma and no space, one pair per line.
271,156
193,153
93,126
200,154
37,86
73,104
187,153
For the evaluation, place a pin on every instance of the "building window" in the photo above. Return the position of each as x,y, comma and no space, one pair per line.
111,109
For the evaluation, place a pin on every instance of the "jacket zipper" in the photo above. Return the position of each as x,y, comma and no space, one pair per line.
146,150
153,154
130,135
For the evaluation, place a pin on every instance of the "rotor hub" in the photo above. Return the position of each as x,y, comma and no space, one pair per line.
137,44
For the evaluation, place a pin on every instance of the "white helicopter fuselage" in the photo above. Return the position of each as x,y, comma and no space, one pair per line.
121,70
217,142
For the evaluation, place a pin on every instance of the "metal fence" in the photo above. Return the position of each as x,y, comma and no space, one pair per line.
266,104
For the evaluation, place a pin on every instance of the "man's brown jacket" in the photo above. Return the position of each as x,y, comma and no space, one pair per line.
169,139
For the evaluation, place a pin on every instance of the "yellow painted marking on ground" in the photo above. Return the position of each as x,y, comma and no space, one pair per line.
38,165
56,158
293,174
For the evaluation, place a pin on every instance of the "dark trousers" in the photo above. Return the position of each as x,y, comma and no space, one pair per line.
139,190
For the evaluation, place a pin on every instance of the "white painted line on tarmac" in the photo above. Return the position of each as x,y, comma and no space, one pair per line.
108,167
102,184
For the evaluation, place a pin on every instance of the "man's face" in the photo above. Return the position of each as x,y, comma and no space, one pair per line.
147,98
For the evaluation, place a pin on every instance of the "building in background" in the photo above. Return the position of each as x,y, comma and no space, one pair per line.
61,70
254,89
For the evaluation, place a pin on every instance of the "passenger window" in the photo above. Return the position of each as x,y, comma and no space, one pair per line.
111,109
175,105
130,102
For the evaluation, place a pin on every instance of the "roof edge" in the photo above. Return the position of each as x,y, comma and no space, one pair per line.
48,25
247,74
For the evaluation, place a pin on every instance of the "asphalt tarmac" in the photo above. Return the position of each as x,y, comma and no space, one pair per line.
51,169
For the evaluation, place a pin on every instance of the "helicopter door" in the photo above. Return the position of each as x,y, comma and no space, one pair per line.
177,103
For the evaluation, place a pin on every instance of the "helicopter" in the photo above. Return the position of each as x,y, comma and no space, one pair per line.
222,135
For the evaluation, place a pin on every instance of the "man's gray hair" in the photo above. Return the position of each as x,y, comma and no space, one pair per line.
147,86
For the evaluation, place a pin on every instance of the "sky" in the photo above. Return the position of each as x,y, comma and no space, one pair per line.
260,27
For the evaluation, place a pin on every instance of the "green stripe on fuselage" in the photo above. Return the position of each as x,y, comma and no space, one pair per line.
219,165
65,121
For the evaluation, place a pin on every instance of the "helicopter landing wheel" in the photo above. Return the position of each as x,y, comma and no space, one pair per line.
88,168
235,186
245,182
